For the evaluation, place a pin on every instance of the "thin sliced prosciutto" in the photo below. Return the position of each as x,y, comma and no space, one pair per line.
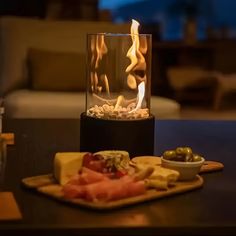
74,191
94,186
114,189
87,176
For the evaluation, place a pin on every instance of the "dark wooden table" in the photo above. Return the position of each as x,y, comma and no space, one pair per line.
210,210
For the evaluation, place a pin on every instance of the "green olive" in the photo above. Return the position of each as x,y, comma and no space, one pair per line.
179,158
196,158
187,151
183,154
179,151
189,157
170,154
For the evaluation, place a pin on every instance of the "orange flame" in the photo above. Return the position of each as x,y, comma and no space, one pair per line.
141,93
98,48
101,48
140,96
131,54
137,62
134,54
106,83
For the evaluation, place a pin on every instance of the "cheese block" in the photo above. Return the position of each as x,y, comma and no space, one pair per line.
67,164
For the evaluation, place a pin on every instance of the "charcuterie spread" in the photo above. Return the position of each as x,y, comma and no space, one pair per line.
110,179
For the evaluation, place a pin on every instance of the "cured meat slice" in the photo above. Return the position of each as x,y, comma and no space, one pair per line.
94,186
98,191
75,180
136,188
124,188
74,191
93,162
87,176
108,190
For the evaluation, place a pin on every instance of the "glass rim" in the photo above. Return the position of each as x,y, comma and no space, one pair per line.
118,34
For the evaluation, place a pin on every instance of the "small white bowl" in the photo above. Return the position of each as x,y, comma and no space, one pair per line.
187,170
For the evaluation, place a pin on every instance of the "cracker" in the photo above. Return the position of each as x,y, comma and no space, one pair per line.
147,160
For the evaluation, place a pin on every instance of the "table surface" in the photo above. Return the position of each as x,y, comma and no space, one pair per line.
209,210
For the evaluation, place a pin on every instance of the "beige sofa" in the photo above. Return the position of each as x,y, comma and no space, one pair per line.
21,99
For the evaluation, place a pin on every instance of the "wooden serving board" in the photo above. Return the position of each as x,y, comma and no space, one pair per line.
208,166
211,166
47,185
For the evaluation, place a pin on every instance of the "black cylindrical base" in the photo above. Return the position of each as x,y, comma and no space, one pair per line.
134,136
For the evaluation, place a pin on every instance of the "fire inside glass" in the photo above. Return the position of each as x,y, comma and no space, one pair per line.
117,115
119,75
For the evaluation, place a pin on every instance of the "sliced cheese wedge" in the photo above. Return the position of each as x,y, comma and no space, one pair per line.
157,184
67,164
162,173
160,178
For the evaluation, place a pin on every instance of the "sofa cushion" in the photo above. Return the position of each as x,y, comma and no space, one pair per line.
185,77
17,35
56,71
43,104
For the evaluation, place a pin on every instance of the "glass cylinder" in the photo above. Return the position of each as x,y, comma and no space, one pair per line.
118,76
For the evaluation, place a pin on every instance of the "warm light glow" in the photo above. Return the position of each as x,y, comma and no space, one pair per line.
143,45
105,80
137,62
131,54
94,81
141,93
131,81
135,52
92,50
140,97
119,101
119,106
101,48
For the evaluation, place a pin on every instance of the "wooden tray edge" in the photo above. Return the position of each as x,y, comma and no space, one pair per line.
151,194
211,166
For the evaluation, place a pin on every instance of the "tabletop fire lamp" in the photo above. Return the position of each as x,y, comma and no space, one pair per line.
118,93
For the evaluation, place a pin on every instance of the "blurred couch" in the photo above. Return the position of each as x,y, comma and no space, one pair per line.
192,82
40,76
